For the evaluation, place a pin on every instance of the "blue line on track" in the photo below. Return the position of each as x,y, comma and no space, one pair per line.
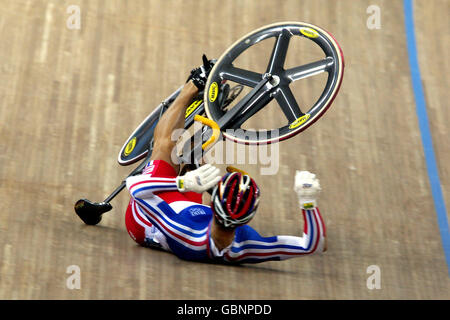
427,141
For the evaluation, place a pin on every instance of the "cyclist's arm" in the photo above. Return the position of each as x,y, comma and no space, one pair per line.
172,119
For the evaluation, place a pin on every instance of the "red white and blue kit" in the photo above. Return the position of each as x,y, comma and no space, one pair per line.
158,215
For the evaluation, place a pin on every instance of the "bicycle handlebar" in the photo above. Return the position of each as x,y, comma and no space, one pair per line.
213,125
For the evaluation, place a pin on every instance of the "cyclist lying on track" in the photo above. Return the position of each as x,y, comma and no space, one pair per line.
166,210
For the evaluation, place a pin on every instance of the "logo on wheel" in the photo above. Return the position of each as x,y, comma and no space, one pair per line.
299,121
130,147
309,32
213,92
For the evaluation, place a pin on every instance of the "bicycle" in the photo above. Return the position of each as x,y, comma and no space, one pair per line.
215,102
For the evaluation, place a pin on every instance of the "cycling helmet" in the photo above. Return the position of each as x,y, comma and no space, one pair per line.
235,199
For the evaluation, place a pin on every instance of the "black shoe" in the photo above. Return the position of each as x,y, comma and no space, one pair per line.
199,75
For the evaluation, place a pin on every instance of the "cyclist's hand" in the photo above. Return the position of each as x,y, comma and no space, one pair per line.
307,187
199,180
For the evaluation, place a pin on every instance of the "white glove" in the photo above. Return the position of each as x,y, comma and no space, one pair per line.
307,187
199,180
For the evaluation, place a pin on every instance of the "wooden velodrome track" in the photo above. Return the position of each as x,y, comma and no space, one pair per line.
70,98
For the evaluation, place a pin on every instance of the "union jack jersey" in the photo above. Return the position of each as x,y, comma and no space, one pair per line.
160,216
